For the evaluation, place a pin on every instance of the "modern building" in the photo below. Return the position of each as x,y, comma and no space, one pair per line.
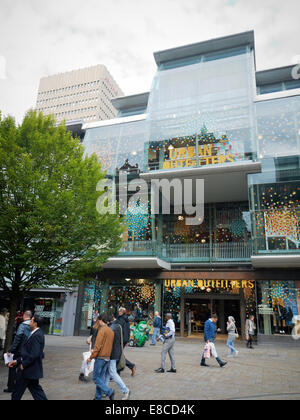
83,94
211,116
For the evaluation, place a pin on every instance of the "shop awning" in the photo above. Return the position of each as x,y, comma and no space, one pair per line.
276,261
136,263
222,183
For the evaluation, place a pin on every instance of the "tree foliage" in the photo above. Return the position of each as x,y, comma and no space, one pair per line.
50,230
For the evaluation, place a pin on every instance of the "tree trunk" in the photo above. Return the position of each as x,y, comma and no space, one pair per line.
14,302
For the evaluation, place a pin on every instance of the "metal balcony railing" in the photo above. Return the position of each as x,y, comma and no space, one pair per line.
189,252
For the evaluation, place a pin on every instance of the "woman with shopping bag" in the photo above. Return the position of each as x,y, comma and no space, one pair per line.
210,331
232,335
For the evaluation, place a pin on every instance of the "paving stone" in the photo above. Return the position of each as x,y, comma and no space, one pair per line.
264,373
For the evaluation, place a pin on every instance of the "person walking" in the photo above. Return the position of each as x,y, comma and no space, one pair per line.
101,353
91,343
168,346
30,365
156,328
3,324
22,334
232,332
250,331
115,356
124,322
210,332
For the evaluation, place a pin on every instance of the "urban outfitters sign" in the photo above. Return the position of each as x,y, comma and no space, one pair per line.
208,154
214,284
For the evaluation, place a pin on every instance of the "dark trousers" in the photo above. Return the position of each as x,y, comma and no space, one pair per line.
128,363
12,378
250,341
33,386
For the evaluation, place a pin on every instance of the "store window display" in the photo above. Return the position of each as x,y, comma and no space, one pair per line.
278,306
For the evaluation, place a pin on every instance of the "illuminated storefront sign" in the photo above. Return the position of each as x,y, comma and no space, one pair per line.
208,154
201,150
215,284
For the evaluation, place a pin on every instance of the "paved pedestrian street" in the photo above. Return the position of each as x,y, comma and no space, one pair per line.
267,372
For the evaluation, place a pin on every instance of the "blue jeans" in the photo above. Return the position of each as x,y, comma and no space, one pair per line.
113,374
100,376
230,344
155,334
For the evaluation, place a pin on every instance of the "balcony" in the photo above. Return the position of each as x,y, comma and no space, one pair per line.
197,253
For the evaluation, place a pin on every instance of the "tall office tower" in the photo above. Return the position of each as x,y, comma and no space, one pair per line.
83,94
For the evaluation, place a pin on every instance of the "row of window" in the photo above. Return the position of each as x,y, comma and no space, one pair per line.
71,104
74,111
68,88
68,97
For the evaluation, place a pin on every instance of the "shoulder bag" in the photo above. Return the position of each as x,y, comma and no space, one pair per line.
122,361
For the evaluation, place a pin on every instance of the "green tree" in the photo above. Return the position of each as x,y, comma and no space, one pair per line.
50,230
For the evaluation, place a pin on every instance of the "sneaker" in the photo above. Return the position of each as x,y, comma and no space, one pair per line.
172,371
204,365
126,396
236,353
160,370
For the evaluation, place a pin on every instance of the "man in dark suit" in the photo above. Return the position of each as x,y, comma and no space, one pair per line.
22,334
124,322
30,367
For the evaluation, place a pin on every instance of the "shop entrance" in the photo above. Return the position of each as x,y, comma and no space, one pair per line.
198,310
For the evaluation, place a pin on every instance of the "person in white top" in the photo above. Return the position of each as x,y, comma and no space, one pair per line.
3,325
168,338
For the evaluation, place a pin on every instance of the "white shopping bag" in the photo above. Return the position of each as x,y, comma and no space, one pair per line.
207,351
8,359
213,350
88,367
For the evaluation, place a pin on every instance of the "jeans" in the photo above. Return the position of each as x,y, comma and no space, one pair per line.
101,371
155,334
113,374
230,344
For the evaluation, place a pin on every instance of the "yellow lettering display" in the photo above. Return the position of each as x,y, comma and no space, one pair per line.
208,154
215,284
208,150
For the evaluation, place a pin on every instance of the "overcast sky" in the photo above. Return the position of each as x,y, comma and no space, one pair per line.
41,37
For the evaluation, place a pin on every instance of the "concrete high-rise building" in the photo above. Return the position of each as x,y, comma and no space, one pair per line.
83,94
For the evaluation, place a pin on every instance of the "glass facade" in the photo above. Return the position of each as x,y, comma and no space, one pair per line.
278,306
235,298
225,235
50,309
275,207
136,295
278,127
116,145
202,113
205,111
